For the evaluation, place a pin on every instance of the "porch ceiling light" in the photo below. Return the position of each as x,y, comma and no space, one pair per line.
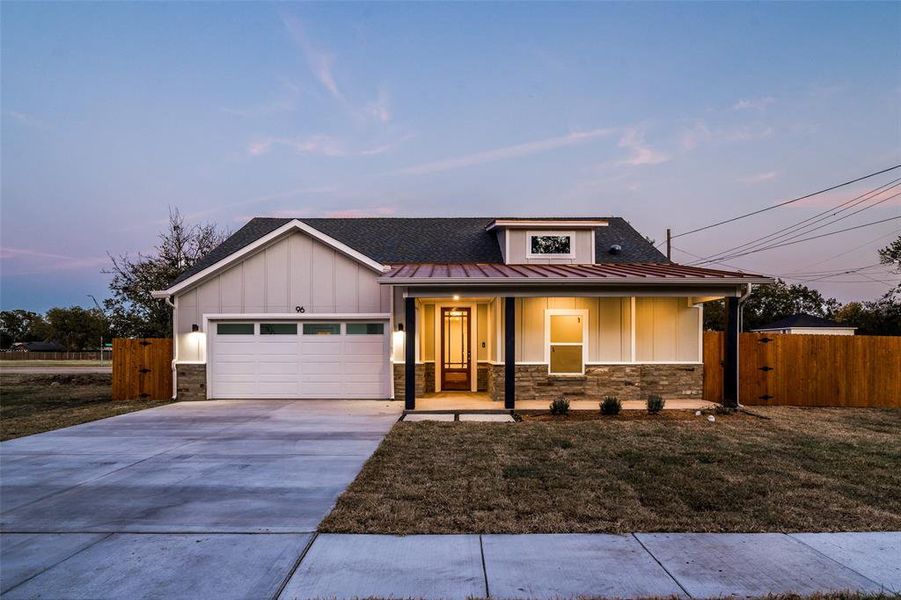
456,297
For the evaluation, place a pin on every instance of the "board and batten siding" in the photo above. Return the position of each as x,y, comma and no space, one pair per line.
294,271
666,329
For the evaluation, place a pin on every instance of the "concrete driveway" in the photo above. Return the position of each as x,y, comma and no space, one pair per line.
207,499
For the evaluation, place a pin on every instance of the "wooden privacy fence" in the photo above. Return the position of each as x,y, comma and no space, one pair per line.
142,369
808,370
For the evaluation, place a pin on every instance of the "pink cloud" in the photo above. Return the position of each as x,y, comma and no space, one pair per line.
25,261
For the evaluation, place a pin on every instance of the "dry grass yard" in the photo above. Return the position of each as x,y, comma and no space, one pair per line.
800,469
34,403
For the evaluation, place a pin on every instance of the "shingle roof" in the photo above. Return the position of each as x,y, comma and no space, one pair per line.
801,320
395,240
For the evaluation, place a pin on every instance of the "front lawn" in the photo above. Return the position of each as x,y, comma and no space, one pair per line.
802,469
33,403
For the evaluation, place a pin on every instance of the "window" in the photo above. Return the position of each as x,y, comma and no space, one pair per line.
566,334
322,328
278,328
549,244
234,328
365,328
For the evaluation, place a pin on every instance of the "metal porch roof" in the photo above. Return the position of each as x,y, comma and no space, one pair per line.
494,273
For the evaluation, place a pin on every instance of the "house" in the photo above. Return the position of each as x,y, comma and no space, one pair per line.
806,324
510,308
37,347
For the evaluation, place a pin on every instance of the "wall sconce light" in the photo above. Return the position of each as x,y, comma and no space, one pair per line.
398,339
195,328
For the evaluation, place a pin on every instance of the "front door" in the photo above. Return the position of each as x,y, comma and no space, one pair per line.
455,349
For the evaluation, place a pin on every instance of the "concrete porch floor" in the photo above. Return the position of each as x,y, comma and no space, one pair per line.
457,401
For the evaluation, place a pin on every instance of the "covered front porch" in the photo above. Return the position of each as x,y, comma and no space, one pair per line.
483,348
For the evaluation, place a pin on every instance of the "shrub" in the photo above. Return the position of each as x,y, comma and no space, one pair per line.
655,404
611,405
560,406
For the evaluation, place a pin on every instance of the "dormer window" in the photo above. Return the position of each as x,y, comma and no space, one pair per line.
549,244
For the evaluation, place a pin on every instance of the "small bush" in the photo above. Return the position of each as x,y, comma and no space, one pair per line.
611,405
560,406
655,404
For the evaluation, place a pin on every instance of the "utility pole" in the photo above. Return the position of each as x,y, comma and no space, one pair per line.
669,244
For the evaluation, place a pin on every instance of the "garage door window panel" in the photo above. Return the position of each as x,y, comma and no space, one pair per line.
322,328
365,329
278,328
234,328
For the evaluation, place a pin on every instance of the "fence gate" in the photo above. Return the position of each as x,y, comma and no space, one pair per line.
142,369
808,370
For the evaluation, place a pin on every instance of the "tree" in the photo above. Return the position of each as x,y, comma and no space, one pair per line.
878,317
21,326
891,255
768,303
131,309
77,328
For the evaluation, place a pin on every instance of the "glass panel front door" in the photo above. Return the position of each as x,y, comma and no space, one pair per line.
455,349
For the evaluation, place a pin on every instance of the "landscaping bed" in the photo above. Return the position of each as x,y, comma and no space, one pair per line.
797,469
34,403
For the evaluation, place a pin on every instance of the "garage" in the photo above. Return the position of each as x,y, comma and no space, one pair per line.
298,359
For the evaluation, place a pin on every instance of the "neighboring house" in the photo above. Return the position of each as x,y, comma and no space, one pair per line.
807,325
37,347
525,308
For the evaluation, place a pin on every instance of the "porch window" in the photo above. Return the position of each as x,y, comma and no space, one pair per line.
566,335
550,244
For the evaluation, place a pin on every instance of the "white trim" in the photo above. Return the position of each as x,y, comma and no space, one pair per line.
293,225
545,223
647,362
190,362
612,281
537,233
632,350
473,335
602,363
295,316
554,312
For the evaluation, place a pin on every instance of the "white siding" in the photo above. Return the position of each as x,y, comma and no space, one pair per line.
293,271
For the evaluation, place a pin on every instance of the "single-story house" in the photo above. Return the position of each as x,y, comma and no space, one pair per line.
510,308
807,325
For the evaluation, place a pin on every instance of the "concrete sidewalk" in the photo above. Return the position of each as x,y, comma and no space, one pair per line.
697,565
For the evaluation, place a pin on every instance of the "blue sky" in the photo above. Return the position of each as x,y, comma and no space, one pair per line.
670,115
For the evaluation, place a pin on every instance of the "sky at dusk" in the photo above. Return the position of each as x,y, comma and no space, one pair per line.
669,115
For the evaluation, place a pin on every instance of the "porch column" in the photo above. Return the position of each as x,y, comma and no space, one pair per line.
410,353
730,364
509,353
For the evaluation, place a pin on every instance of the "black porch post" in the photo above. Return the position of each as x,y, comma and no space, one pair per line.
730,366
410,354
509,353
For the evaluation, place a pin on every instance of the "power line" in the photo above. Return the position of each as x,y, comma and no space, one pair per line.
805,224
795,235
815,237
850,250
798,199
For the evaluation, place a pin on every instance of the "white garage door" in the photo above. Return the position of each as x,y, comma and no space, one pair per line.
287,359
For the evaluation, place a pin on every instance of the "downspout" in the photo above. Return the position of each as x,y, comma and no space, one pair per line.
168,300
